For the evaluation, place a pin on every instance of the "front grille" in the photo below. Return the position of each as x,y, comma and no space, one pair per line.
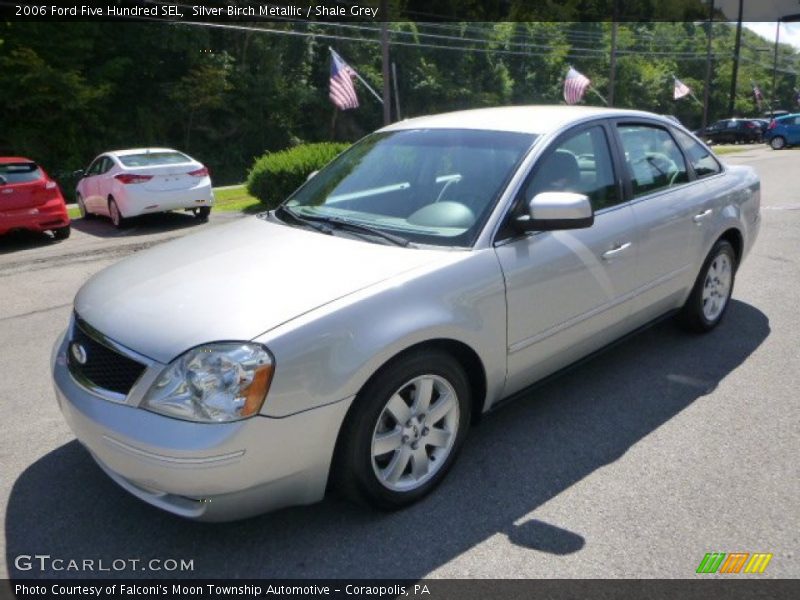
104,367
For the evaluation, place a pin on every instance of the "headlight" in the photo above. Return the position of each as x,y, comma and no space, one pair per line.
214,383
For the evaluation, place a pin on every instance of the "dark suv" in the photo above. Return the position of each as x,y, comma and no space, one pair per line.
731,131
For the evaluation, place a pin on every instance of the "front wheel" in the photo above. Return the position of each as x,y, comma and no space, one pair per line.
712,290
85,214
404,430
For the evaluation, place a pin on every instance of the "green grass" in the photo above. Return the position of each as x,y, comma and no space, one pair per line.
234,199
733,148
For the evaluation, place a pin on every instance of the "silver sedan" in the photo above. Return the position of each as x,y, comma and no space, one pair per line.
434,269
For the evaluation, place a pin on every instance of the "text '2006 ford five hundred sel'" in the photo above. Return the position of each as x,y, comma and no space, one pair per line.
434,268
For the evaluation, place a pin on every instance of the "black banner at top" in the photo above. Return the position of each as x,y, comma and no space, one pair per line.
392,10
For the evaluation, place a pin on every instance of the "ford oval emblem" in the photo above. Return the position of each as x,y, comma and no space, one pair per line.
78,353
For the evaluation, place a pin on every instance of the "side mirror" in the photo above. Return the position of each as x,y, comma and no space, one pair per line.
310,175
2,180
79,174
551,211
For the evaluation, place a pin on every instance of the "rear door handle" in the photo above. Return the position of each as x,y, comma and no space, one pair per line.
700,216
616,250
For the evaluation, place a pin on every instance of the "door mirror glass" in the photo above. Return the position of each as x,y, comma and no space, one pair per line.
550,211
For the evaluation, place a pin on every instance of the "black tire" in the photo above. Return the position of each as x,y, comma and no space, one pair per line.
777,143
62,233
85,214
201,214
353,471
116,216
693,316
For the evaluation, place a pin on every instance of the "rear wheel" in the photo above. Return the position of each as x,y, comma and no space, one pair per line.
202,213
404,430
712,290
62,233
777,143
116,216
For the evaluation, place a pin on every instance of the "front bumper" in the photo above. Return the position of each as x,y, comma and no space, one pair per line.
207,472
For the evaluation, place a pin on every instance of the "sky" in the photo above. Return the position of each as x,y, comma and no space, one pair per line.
790,32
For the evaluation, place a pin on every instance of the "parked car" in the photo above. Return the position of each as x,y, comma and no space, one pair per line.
783,131
128,183
433,269
29,199
763,124
731,131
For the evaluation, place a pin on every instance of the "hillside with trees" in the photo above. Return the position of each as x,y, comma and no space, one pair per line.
226,94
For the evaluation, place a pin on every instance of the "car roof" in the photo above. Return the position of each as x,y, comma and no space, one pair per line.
787,116
538,119
14,159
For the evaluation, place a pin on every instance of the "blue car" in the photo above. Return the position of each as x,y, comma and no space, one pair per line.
783,131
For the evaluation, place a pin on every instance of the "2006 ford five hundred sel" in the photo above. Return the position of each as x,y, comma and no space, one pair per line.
350,336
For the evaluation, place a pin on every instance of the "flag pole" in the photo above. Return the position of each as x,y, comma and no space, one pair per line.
599,95
360,78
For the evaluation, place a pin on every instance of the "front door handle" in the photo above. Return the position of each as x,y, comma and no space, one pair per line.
700,216
616,250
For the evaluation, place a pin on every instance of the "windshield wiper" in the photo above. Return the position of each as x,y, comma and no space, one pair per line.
303,221
344,223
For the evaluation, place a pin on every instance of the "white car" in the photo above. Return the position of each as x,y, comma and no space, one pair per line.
128,183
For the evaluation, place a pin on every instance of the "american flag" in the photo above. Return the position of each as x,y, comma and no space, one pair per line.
575,86
342,92
757,96
681,89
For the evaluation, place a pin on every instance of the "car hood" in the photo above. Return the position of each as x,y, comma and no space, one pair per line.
233,282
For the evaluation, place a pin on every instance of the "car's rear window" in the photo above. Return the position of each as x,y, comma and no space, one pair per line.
20,172
149,159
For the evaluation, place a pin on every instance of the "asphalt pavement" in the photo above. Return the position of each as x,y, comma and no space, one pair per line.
633,465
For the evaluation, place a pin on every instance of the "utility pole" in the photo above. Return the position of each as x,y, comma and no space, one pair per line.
736,50
707,88
396,93
613,66
774,69
387,100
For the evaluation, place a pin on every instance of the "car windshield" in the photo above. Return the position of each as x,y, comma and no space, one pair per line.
21,172
430,186
150,159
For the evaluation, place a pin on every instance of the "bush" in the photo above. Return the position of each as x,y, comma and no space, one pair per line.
276,175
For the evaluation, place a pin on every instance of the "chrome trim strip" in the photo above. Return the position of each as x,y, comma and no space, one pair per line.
521,345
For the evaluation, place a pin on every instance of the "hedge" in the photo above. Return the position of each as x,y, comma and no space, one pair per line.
276,175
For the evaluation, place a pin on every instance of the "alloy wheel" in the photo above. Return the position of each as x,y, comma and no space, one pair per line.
415,433
717,286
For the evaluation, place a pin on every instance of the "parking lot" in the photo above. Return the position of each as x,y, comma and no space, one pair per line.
633,465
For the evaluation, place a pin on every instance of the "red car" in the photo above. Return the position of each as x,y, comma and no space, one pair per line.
29,199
